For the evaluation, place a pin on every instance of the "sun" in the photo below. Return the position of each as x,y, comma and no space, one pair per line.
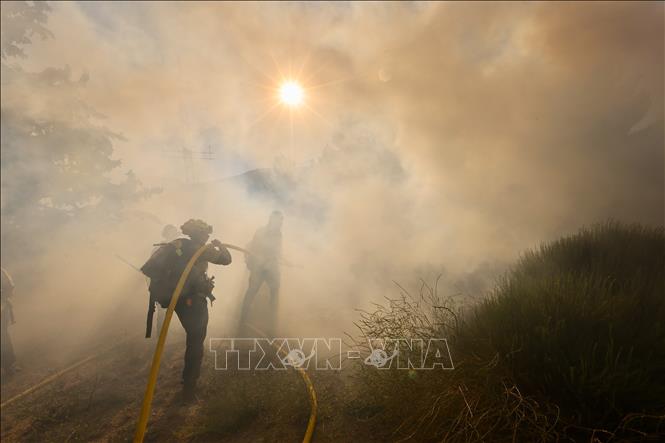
291,94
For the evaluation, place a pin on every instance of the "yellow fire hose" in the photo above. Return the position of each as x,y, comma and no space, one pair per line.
154,370
311,423
226,245
156,360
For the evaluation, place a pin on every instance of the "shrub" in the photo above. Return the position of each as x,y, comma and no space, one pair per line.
570,342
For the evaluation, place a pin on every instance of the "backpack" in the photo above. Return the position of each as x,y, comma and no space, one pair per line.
164,268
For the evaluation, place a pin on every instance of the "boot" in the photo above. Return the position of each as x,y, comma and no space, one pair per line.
189,393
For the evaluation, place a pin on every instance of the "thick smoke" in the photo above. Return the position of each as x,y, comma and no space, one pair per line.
437,139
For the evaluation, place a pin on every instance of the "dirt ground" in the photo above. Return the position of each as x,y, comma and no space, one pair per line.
100,401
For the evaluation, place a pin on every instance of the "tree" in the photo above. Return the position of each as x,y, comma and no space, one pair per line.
56,156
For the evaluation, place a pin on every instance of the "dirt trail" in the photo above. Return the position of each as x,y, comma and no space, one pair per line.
100,402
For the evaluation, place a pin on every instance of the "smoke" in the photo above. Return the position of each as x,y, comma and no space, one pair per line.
437,139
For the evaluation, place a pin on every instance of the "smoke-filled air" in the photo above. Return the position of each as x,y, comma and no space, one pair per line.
201,199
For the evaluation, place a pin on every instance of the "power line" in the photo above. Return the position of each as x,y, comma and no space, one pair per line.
188,156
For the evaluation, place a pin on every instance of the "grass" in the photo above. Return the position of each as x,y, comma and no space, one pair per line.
247,403
569,345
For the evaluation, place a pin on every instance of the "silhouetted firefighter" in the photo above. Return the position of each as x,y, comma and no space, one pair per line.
164,268
7,313
263,264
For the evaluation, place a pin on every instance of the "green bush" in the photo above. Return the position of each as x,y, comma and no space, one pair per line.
570,344
581,322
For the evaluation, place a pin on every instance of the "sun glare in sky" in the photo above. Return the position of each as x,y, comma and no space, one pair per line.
291,94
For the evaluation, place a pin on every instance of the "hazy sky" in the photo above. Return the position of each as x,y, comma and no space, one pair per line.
544,108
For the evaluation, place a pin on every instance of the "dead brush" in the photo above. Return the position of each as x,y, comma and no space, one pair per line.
473,402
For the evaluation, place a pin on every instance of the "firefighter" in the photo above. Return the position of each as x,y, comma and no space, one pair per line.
263,262
164,269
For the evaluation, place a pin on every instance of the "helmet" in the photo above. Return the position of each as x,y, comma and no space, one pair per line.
194,227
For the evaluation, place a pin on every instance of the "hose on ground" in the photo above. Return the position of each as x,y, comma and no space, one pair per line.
311,423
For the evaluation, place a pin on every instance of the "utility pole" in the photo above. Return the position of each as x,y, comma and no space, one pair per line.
188,156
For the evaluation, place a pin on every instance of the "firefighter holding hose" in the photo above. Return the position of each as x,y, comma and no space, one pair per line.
263,262
164,269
